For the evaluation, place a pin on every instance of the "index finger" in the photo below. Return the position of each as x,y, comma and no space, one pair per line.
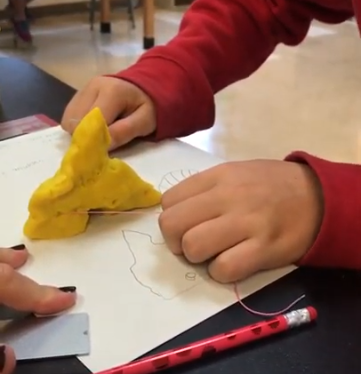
23,294
189,187
77,108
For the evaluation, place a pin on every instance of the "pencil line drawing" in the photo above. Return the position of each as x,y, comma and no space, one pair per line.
155,268
174,177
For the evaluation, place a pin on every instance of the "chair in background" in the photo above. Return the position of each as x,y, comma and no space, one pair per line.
131,4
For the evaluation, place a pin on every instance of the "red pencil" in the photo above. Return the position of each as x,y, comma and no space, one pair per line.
219,343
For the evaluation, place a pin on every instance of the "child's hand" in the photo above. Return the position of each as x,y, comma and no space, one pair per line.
129,111
23,294
244,217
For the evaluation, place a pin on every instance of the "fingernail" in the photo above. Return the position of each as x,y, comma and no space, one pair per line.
19,247
68,289
2,357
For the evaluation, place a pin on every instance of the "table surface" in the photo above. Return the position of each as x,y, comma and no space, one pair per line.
331,346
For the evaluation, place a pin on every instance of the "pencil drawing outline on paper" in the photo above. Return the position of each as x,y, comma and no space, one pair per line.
190,275
172,178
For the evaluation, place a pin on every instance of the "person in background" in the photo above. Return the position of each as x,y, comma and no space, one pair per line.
20,18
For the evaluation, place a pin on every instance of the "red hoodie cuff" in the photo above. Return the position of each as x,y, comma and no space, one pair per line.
338,243
182,107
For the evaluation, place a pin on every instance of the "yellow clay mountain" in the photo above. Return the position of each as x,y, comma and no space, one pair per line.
87,179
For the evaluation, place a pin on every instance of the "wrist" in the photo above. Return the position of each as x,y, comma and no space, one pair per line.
314,204
338,241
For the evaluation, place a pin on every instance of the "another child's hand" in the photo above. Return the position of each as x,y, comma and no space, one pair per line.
23,294
128,111
243,217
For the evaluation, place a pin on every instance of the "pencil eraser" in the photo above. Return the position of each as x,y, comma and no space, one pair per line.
313,312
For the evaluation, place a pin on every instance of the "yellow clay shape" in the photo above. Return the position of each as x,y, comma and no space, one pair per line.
86,180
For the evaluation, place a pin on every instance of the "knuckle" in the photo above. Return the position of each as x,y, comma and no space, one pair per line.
114,85
165,200
168,228
95,81
167,224
98,83
221,270
6,274
193,251
224,169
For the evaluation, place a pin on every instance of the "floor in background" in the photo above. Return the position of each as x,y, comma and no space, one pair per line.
308,97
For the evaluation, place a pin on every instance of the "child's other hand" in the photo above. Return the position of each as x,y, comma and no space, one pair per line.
244,217
128,111
23,294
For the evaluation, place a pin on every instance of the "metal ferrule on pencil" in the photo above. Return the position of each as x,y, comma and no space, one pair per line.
298,317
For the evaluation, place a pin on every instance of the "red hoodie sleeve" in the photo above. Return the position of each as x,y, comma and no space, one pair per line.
219,43
339,241
223,41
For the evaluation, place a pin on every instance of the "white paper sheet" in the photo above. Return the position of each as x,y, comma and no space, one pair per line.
136,293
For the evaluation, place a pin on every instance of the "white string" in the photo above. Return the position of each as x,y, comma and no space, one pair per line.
265,314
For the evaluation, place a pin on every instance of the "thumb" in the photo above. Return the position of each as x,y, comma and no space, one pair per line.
138,124
7,360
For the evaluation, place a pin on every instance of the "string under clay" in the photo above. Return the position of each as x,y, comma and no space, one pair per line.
235,285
